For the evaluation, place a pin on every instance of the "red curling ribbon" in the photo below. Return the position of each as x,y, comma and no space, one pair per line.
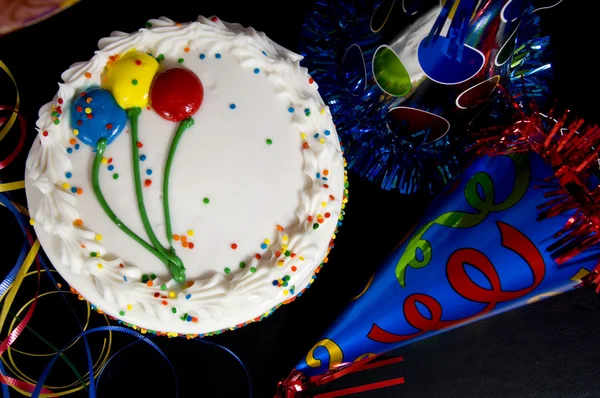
22,131
461,282
21,385
14,334
296,383
21,326
364,388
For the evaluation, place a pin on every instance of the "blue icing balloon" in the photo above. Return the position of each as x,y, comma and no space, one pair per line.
95,114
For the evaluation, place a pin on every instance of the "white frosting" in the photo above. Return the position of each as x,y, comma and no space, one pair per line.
253,187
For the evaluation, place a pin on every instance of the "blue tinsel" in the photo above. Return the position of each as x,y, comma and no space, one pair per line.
531,69
361,109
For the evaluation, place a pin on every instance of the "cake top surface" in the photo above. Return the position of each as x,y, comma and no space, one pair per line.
220,137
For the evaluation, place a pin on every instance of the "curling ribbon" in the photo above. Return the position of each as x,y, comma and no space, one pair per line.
7,125
6,128
5,391
11,285
13,282
17,274
9,288
91,367
12,186
9,159
102,357
140,337
100,365
296,382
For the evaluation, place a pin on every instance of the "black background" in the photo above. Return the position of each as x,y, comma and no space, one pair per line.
548,349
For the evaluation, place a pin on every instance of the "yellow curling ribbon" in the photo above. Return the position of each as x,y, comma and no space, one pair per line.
74,386
12,186
69,388
11,120
27,304
129,79
12,366
8,297
12,290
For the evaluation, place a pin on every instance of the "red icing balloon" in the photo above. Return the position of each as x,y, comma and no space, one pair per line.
176,93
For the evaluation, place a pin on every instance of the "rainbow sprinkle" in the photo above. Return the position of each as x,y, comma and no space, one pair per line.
283,282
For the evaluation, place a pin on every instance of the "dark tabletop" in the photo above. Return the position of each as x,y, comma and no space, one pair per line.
548,349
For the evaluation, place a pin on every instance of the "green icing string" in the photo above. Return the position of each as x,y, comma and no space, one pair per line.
176,265
459,219
184,125
100,148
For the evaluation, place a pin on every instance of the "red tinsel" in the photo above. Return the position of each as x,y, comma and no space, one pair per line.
571,148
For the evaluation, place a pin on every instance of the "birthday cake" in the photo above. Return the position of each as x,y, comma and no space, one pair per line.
188,178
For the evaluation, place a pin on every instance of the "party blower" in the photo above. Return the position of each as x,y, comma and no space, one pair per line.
405,78
517,226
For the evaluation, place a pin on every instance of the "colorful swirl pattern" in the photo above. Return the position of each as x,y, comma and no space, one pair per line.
480,195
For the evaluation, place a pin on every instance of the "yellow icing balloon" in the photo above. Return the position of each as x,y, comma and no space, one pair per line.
129,79
335,354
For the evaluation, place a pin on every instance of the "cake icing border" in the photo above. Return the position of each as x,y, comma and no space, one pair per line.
254,320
